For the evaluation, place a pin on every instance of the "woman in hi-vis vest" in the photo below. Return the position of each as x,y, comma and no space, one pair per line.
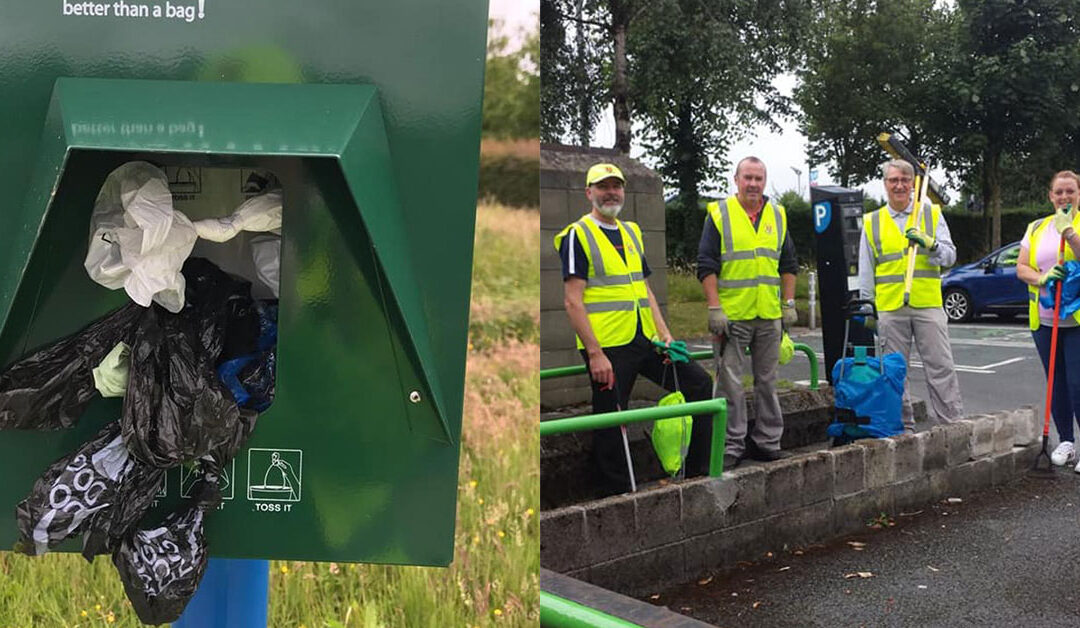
1039,263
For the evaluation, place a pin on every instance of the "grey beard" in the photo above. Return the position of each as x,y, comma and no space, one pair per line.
610,211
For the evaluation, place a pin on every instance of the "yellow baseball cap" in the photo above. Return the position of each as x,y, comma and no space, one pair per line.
599,172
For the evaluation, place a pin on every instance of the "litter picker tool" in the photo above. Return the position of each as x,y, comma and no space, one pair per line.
1040,470
625,442
916,210
682,438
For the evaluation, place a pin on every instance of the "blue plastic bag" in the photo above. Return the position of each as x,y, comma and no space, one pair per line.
1070,298
250,378
867,392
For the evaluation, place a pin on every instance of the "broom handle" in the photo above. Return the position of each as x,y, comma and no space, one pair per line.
920,194
1053,342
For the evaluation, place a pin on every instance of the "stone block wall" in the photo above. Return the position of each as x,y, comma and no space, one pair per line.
643,542
562,200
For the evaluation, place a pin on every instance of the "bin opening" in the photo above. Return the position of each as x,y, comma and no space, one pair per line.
203,244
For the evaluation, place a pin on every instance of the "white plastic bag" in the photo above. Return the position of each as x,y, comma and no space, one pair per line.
137,240
258,213
266,253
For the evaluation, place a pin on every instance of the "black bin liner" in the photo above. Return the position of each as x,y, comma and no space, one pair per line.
161,567
99,487
49,389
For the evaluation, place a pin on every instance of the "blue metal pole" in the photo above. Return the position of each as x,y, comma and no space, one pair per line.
233,593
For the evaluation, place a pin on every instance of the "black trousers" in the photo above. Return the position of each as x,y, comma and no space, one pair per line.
640,357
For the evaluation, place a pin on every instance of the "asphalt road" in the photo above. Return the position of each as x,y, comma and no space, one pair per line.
1004,557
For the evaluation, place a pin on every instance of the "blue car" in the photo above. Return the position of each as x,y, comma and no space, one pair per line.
988,286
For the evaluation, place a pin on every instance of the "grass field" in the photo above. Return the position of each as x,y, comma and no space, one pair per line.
494,578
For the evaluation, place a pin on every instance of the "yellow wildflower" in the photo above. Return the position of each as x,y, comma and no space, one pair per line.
530,512
497,612
83,613
480,500
284,569
110,617
501,534
97,607
472,483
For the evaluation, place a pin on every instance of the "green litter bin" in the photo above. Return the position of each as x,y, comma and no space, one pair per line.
369,116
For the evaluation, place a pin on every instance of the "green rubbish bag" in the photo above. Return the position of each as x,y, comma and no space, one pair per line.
671,437
787,349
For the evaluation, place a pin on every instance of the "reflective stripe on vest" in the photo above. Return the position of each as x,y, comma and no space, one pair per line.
888,246
615,291
749,281
1035,231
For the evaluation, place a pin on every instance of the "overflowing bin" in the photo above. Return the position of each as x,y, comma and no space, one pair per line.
366,118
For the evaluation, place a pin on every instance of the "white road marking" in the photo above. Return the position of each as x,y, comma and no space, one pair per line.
1004,362
982,370
993,343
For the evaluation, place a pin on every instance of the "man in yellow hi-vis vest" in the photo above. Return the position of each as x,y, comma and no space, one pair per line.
615,315
747,267
883,261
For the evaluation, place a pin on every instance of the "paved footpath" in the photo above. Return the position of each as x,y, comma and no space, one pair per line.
1008,556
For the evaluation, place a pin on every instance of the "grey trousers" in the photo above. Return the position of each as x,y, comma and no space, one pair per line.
763,338
928,327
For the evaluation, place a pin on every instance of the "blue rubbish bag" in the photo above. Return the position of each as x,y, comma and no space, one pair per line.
1070,296
868,399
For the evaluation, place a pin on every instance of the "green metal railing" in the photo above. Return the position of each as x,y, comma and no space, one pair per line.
559,612
716,407
566,371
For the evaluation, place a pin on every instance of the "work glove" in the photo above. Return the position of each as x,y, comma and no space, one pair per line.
676,351
1057,272
718,320
1063,219
920,238
789,315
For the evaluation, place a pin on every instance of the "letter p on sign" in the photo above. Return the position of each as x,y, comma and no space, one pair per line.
822,215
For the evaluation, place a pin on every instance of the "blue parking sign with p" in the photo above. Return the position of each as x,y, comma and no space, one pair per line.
822,216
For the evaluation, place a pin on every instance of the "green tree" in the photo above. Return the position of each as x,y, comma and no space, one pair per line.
700,78
593,71
511,86
864,74
572,85
1007,91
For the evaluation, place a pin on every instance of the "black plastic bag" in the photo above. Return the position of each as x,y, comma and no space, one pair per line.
84,489
49,389
223,308
160,568
176,409
257,378
138,489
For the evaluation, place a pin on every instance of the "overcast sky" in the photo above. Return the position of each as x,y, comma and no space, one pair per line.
516,13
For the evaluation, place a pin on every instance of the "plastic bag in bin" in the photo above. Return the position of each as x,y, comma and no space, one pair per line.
83,490
50,388
161,567
176,409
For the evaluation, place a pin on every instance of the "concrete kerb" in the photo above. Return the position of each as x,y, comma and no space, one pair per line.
982,436
1003,432
958,442
704,525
